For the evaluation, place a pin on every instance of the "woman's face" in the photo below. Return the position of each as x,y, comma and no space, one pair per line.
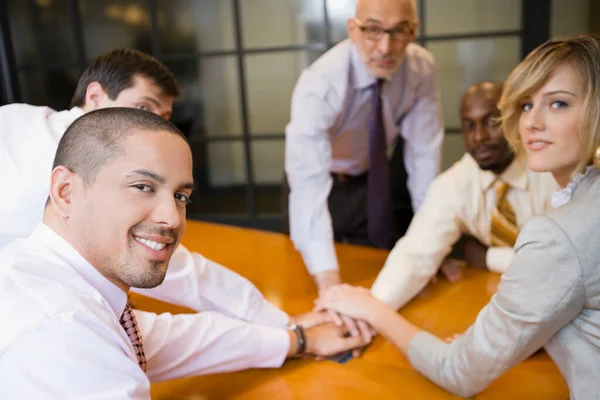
549,125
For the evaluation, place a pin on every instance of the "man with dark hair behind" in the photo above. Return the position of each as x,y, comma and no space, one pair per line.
117,212
30,134
28,142
123,69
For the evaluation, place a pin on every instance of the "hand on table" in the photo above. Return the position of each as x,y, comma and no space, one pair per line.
312,318
328,339
451,269
352,301
330,278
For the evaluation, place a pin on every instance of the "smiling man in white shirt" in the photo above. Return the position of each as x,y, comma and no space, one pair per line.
116,213
28,140
487,195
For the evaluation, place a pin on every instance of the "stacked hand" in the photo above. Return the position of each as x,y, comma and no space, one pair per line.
328,339
328,333
310,319
355,327
352,301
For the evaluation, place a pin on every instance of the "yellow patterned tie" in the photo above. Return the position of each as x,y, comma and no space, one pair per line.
504,222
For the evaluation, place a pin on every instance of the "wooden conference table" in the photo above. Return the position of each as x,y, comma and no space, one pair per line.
270,261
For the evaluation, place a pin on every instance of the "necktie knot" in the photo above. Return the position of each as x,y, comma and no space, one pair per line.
130,325
501,188
377,86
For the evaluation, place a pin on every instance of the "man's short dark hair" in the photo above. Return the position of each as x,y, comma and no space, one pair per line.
97,137
116,71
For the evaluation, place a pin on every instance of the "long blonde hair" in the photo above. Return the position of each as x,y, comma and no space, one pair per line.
582,52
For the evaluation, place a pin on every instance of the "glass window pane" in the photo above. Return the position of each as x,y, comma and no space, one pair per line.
220,178
271,79
116,24
226,164
53,88
468,16
290,22
267,160
209,96
465,62
191,26
44,27
338,12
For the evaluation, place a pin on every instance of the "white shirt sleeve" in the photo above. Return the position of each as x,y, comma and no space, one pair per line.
184,345
198,283
497,259
423,132
416,257
71,358
307,165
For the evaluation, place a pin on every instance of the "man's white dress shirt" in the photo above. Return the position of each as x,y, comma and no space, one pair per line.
61,337
459,201
29,138
328,132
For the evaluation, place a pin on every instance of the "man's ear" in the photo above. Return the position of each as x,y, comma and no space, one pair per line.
94,96
63,181
414,32
352,29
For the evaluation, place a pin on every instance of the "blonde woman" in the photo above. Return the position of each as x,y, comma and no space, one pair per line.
550,295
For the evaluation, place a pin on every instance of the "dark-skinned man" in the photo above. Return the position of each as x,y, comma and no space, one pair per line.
487,195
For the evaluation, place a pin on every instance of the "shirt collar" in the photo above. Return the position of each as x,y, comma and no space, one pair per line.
515,175
563,196
115,297
361,77
76,112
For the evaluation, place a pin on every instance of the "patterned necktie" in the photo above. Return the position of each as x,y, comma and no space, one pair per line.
380,220
504,229
129,323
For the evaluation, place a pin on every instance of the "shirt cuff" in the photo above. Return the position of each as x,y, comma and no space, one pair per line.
269,315
498,259
320,257
273,348
423,352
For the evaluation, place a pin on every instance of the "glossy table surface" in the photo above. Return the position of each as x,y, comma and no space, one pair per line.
270,261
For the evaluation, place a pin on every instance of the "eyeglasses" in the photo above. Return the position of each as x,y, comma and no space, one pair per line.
401,33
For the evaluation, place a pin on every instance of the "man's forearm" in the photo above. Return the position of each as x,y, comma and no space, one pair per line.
475,252
326,279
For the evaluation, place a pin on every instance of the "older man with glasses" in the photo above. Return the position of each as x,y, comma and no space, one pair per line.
369,93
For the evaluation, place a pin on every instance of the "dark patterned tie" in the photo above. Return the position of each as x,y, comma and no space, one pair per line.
380,221
129,323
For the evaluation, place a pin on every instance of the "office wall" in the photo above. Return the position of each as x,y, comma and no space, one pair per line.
270,80
570,17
